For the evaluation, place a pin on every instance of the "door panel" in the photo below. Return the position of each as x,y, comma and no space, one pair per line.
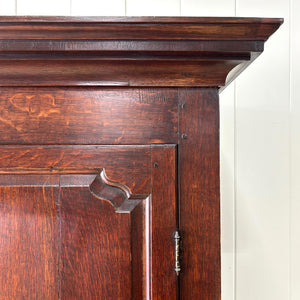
129,165
28,242
95,249
75,233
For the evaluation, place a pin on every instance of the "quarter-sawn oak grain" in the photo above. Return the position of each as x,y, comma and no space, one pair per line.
135,174
29,242
109,144
87,116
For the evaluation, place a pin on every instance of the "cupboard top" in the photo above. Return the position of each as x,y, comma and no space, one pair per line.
137,28
129,51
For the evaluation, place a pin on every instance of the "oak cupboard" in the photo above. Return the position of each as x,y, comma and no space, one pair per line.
109,153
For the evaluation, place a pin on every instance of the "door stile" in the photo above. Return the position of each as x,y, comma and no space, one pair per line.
163,222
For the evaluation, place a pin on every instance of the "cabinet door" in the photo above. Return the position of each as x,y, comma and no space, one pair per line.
87,222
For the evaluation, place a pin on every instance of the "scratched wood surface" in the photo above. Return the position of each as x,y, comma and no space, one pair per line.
134,173
95,249
65,237
82,94
87,116
29,241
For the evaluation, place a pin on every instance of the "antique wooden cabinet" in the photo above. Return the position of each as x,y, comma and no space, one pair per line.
109,159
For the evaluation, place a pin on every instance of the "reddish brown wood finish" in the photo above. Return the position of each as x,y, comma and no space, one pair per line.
164,222
138,98
88,116
28,239
199,194
106,243
140,243
117,72
95,248
88,159
128,52
137,28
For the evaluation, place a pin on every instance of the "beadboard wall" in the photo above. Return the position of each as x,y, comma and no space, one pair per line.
260,141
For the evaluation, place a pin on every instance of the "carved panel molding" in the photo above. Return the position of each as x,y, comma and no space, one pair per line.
117,194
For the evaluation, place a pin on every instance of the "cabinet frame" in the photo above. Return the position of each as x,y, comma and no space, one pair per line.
73,83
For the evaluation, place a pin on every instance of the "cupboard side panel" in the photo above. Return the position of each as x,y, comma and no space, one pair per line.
199,194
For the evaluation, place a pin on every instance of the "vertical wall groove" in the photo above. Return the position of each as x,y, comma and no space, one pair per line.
294,150
234,195
234,181
180,12
290,153
262,155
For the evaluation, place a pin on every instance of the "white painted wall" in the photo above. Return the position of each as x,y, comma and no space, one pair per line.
260,142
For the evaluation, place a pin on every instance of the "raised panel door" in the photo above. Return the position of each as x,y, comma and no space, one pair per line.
98,227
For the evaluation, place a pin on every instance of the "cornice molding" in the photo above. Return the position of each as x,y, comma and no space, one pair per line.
133,51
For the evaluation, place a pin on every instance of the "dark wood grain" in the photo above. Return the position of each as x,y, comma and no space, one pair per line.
28,241
124,49
95,251
140,251
137,28
129,165
199,194
88,116
136,98
101,256
30,180
144,19
164,222
119,73
51,51
78,217
116,193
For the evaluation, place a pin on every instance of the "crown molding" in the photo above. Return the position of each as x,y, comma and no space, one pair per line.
132,51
